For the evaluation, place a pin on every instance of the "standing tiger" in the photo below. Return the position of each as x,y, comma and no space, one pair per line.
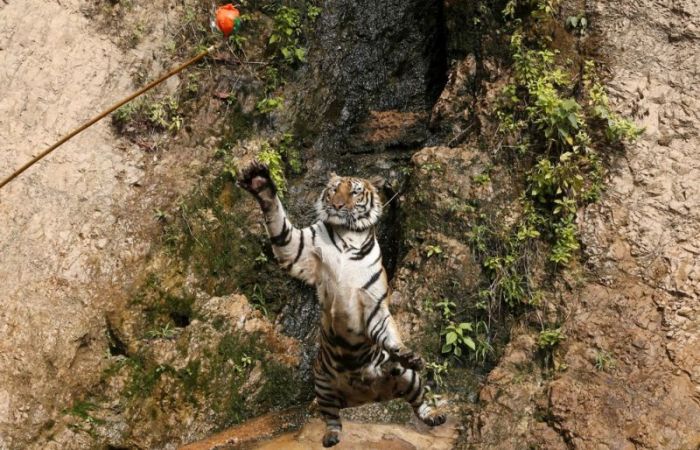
361,357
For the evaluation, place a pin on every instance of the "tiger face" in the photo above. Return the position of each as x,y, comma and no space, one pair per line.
353,203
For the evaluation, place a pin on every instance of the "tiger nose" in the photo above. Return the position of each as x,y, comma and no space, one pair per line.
338,204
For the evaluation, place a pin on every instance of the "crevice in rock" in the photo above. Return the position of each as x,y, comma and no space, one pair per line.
389,232
436,54
115,345
180,320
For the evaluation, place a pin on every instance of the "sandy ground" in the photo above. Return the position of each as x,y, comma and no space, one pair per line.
63,236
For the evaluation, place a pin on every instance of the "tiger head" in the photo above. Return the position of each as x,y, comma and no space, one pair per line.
349,202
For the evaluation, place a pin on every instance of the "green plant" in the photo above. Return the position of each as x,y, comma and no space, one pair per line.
150,113
617,128
604,361
274,162
541,7
287,34
126,113
432,167
483,349
243,363
160,215
83,411
481,179
555,128
550,338
163,114
287,148
313,12
272,79
436,371
577,24
261,258
257,299
237,41
456,338
433,250
269,104
164,332
448,308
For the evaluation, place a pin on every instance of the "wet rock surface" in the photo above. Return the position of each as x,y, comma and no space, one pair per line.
371,56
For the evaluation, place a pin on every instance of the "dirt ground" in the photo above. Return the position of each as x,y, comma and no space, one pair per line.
66,229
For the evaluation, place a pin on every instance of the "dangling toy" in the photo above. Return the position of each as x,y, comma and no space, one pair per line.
228,19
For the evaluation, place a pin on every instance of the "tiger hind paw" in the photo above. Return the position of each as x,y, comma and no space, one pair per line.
433,418
331,438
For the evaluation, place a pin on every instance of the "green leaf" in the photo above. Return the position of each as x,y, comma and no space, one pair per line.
469,343
447,348
274,38
458,351
450,338
466,326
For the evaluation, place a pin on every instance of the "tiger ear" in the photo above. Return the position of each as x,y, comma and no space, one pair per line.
332,176
378,182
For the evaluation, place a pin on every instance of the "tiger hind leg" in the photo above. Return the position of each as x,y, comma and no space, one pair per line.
329,404
410,386
333,425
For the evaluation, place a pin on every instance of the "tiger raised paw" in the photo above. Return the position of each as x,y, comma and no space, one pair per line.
361,356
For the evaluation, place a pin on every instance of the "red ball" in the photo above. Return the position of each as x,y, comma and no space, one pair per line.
227,18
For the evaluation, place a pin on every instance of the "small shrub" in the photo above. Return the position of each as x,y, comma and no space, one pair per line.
456,338
274,162
287,35
269,104
550,338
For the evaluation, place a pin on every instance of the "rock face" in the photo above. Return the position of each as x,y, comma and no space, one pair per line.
59,232
642,243
632,357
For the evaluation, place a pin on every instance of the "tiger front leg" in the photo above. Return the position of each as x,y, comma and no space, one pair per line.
256,179
293,248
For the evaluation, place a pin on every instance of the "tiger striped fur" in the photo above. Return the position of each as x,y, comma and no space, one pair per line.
361,357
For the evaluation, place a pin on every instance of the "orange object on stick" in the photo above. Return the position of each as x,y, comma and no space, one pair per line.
227,19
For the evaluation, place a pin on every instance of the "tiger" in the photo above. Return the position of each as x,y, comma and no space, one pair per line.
361,357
